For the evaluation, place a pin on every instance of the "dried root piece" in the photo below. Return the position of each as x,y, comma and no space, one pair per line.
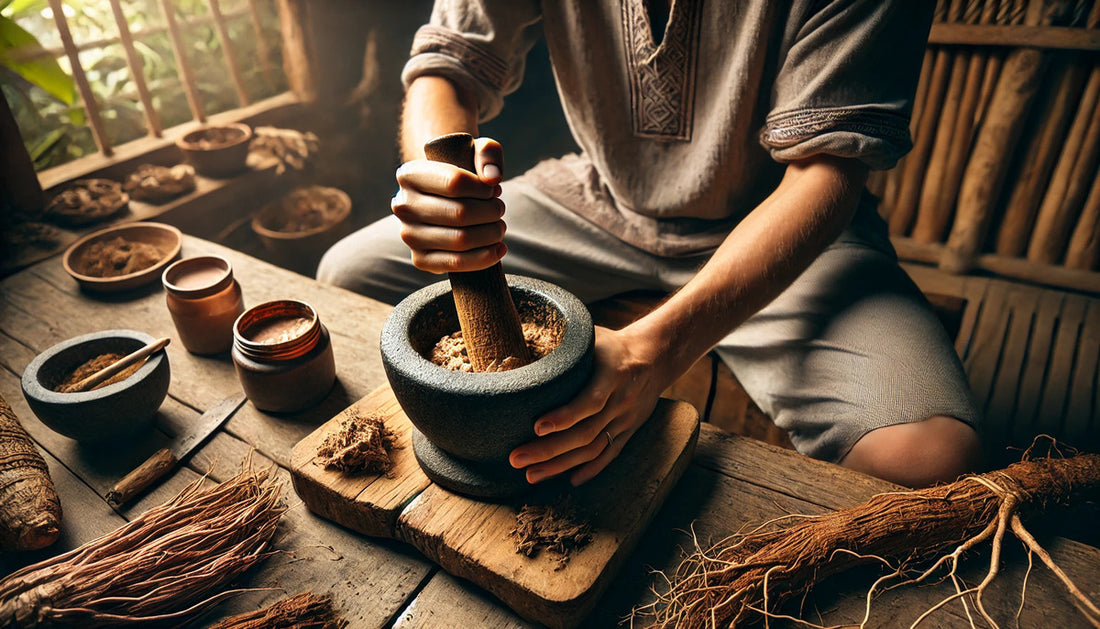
286,147
157,184
30,512
165,567
556,528
86,201
746,577
301,611
361,445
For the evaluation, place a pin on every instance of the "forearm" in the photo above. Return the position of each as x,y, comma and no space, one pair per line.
760,258
434,106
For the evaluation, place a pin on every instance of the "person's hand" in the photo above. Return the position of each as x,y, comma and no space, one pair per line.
451,218
620,396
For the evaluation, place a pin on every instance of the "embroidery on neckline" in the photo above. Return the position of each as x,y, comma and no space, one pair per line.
662,78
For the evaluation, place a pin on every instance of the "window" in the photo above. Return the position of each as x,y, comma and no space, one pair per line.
84,76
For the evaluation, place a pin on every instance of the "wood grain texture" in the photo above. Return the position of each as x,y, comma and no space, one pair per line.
470,539
367,503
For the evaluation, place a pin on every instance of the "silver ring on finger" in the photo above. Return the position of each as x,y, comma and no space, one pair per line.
610,439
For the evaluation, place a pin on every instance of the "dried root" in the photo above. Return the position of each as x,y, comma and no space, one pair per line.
556,528
164,567
301,611
747,577
361,445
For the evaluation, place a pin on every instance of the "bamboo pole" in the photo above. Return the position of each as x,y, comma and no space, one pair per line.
912,176
1054,113
1011,12
1084,246
937,200
1069,184
1016,89
183,66
262,50
227,53
152,117
95,121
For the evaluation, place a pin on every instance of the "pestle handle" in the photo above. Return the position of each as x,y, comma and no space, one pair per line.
486,313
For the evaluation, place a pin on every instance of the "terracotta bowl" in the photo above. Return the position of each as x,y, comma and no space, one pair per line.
164,237
466,424
301,250
117,411
60,213
223,159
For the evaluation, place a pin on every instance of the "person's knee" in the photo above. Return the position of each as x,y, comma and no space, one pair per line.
918,454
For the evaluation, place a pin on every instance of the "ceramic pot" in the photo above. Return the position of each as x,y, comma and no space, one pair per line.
466,424
224,159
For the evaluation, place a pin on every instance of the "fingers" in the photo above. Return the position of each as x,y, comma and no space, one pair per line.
589,470
489,160
453,239
445,180
411,206
458,261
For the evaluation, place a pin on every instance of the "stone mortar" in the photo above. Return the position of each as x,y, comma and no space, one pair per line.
466,424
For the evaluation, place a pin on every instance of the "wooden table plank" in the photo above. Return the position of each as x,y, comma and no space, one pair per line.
448,601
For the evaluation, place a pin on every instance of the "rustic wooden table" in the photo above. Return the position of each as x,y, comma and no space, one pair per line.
732,481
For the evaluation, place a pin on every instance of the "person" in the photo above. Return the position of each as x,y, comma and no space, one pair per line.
725,164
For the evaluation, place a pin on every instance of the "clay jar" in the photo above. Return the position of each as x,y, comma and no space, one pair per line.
283,356
204,301
466,424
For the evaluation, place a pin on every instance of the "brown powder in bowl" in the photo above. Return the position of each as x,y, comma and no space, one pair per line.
96,365
117,257
450,351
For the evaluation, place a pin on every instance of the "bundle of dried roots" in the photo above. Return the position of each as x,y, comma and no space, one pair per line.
301,611
162,568
746,577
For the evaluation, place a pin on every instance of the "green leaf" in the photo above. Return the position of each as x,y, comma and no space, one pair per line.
41,71
47,143
19,7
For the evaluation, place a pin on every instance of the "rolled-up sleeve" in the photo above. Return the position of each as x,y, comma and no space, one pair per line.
478,45
848,71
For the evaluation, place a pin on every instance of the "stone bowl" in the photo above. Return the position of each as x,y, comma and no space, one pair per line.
117,411
465,423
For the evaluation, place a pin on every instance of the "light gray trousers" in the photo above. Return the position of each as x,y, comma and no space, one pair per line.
851,346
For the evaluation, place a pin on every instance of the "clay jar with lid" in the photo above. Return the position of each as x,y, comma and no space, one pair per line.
283,356
204,300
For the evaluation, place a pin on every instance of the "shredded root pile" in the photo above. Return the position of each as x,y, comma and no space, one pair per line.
162,568
301,611
555,528
361,445
746,577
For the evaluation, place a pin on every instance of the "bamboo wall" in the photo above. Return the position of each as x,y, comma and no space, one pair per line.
1004,175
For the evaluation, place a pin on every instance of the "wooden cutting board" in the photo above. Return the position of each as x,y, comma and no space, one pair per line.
472,539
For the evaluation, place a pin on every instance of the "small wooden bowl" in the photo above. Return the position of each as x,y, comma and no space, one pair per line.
223,159
164,237
301,250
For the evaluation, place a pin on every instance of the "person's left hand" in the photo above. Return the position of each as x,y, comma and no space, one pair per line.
589,432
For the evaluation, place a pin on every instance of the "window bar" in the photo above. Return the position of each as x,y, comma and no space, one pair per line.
183,66
227,52
99,134
152,119
261,44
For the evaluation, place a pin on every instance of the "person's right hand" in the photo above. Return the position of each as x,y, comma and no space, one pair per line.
450,217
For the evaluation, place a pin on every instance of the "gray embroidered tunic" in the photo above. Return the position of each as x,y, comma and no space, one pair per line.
682,138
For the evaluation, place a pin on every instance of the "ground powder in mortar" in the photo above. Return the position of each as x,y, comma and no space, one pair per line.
115,257
556,528
450,351
94,365
361,445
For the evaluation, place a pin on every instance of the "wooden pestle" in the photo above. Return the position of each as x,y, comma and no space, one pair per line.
486,313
